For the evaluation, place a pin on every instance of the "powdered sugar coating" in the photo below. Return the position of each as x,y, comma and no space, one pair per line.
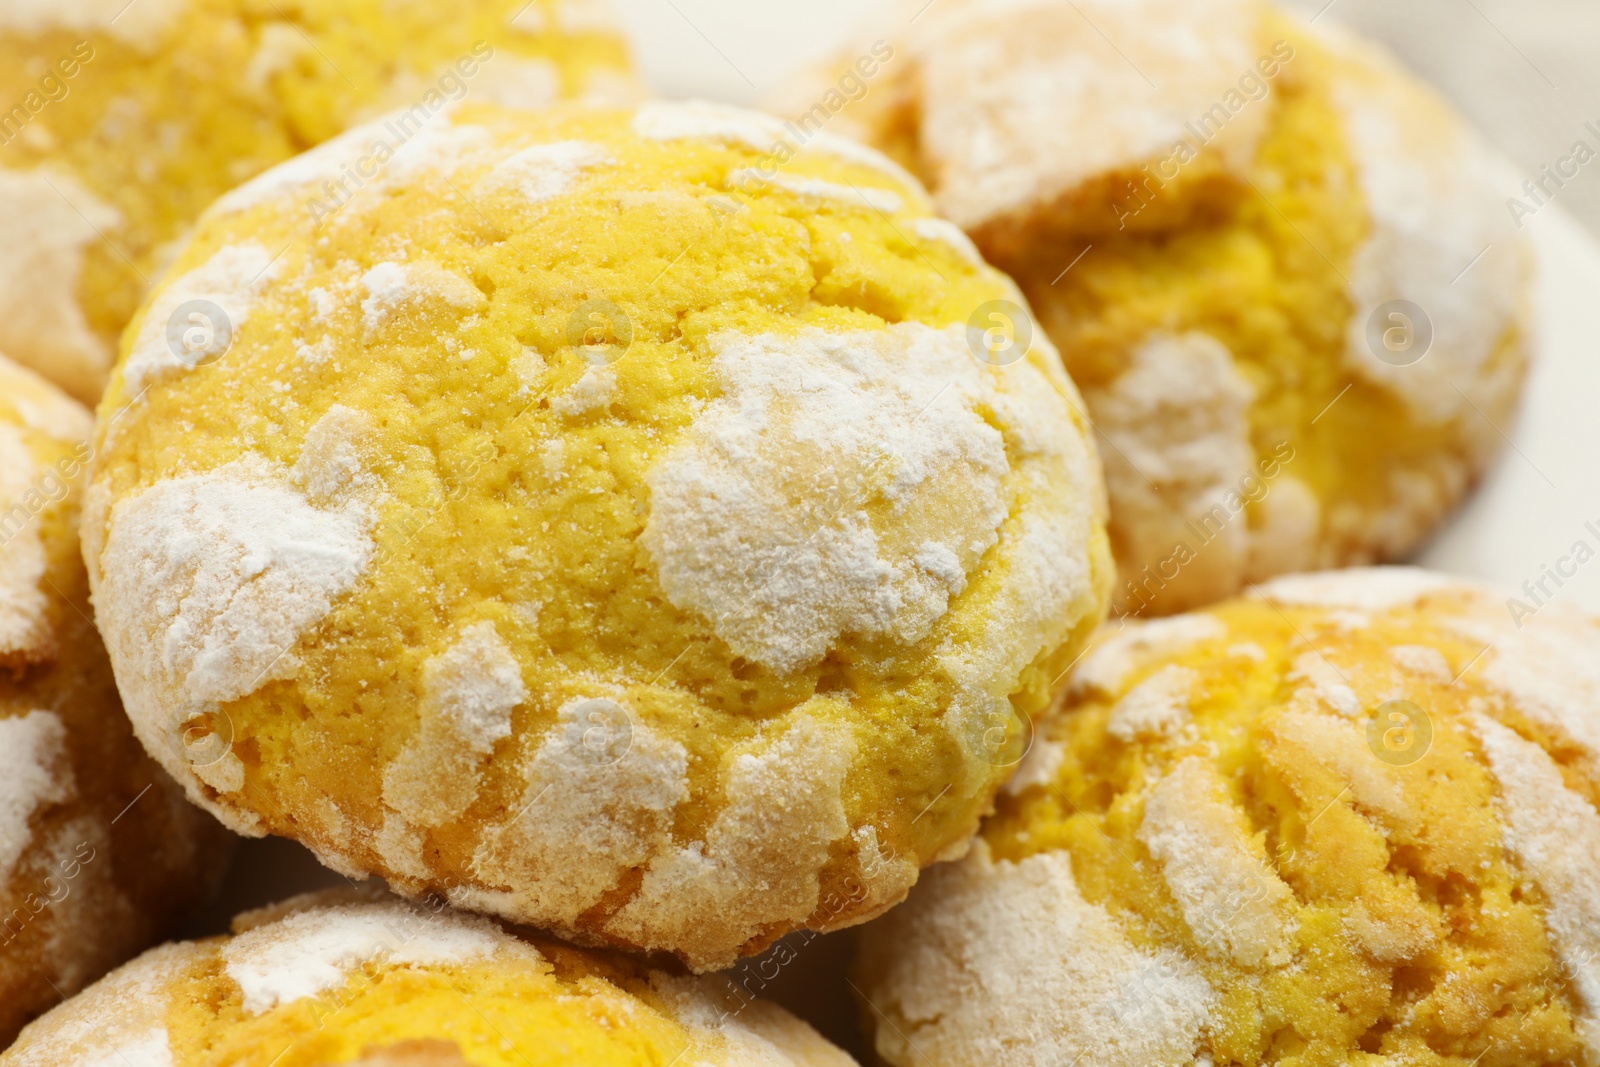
579,788
545,171
1119,653
312,951
49,223
1233,901
1157,705
1435,193
1359,589
33,774
24,625
1023,102
736,541
816,189
338,947
228,568
758,862
229,281
971,984
468,694
1556,835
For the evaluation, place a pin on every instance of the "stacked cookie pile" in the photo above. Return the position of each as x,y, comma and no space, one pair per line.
643,532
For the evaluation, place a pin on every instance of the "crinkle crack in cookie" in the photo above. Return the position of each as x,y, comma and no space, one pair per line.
120,122
1351,819
99,852
351,978
602,520
1280,269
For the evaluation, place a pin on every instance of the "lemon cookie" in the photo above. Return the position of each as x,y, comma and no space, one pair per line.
606,519
1351,819
351,978
120,121
1281,270
99,852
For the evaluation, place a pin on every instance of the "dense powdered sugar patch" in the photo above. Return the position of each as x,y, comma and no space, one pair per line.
1435,195
545,171
33,773
602,777
757,866
703,121
860,196
207,581
1234,903
149,1049
1549,667
798,505
1357,589
468,694
24,620
1322,683
593,390
1020,103
1038,768
126,1009
1118,654
232,280
310,952
49,222
368,158
1007,963
1422,661
1556,835
1179,435
393,288
759,1034
1155,707
1341,745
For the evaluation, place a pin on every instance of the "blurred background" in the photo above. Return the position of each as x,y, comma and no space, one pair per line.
1524,70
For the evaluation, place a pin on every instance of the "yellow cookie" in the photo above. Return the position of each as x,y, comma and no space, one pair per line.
1282,272
355,978
99,853
602,518
120,121
1349,820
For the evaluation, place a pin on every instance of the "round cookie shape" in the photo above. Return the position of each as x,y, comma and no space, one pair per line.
350,977
1350,818
120,123
610,520
99,852
1280,269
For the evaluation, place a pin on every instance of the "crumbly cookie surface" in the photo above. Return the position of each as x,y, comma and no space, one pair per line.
603,520
119,123
99,852
1348,819
1213,209
363,979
